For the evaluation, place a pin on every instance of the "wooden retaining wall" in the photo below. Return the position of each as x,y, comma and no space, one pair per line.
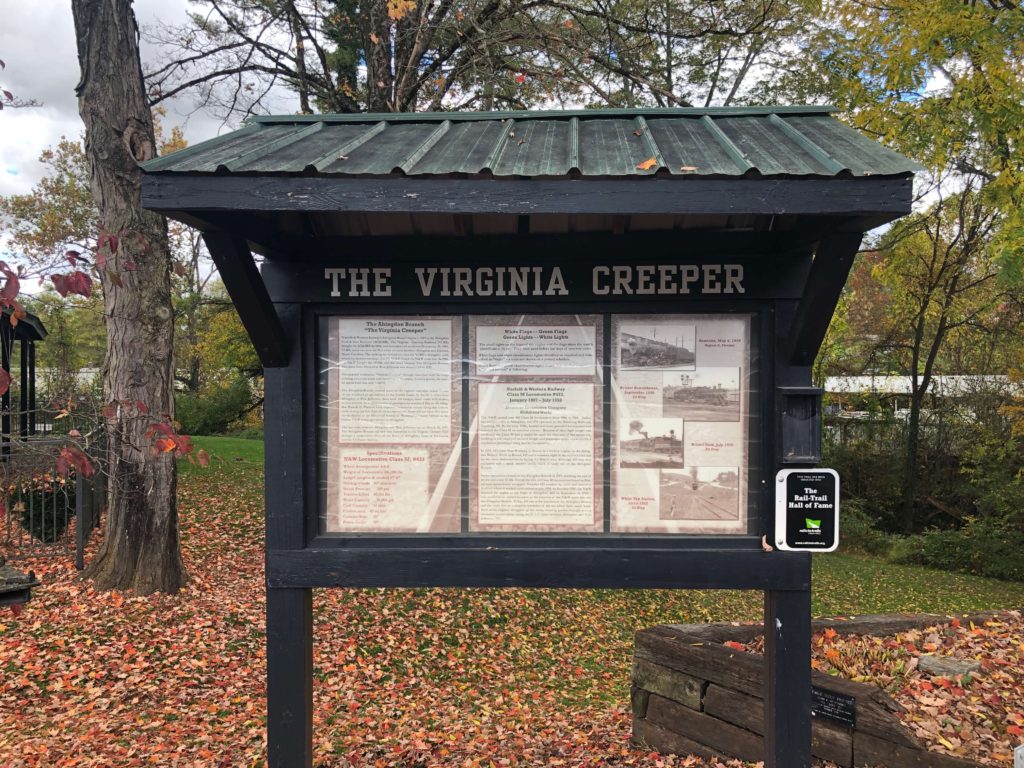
693,695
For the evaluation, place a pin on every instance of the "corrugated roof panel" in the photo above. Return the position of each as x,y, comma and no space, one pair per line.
777,141
384,152
464,149
850,147
535,148
770,150
686,143
209,160
296,156
611,148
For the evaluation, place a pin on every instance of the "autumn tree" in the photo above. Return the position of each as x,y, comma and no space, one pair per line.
412,55
75,343
141,549
942,82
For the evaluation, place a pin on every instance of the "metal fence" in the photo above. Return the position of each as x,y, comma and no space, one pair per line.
44,512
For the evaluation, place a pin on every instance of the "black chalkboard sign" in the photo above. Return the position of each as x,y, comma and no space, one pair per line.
837,707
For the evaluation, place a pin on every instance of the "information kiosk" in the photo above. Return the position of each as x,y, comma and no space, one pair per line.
537,349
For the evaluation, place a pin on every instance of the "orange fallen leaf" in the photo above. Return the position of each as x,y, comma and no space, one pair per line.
647,164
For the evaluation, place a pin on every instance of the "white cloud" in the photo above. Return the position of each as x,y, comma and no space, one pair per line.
37,43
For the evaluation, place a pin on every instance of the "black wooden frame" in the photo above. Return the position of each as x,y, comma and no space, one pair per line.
597,560
298,559
278,215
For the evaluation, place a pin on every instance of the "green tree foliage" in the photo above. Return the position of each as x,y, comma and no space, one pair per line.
944,83
58,214
75,341
941,81
224,349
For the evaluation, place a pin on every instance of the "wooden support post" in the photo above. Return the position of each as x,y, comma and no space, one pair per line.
290,678
787,696
289,609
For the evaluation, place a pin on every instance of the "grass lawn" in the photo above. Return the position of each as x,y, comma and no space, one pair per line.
404,677
843,584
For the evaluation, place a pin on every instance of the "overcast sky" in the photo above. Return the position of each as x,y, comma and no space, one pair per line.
37,42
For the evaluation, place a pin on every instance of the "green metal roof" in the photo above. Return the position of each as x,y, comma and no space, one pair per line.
711,142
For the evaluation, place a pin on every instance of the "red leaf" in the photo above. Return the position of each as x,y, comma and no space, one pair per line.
60,283
73,257
165,445
8,95
142,407
734,645
109,240
11,288
101,261
129,266
79,282
520,78
5,381
73,456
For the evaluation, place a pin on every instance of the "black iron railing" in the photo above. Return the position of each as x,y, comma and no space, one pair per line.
44,510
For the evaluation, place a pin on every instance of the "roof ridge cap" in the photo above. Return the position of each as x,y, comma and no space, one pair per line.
540,114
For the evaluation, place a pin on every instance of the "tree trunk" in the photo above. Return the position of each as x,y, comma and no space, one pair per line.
140,550
909,501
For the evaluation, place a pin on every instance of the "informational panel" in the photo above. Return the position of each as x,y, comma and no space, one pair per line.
393,424
544,423
680,423
535,409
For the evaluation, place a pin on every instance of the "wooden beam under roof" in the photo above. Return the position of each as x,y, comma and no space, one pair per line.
248,293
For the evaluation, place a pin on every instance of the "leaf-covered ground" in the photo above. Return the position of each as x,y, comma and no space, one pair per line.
403,677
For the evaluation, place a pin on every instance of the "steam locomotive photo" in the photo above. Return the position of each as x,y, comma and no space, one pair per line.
688,392
643,352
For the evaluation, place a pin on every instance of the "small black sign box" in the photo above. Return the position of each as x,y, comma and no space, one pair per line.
807,510
837,707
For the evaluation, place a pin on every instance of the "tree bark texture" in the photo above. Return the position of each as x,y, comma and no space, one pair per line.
140,550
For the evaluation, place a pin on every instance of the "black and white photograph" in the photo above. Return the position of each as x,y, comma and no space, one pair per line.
700,493
651,444
705,394
658,346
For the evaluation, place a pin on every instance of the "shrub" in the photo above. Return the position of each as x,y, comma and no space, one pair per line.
45,504
983,547
857,531
995,471
213,410
247,433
